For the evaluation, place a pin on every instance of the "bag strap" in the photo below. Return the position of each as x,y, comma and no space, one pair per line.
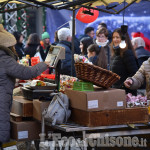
38,49
62,104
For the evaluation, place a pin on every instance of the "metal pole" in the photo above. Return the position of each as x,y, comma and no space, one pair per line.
73,37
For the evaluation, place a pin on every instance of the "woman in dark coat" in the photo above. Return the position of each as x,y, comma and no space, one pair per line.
19,45
9,71
123,60
33,45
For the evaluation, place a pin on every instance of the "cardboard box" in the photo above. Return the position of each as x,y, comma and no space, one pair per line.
38,108
26,130
110,117
22,107
104,99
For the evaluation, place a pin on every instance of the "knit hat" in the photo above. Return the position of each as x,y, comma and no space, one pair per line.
45,35
6,38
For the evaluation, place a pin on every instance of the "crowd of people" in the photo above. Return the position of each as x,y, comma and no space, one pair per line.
130,63
101,47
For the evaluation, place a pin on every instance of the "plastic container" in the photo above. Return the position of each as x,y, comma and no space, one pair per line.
35,60
83,86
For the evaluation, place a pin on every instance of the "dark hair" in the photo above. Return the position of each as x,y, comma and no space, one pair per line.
17,35
101,56
88,29
86,42
103,24
102,31
127,40
33,39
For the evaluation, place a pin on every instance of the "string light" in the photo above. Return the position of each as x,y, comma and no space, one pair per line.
124,29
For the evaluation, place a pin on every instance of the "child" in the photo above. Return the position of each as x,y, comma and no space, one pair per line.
97,56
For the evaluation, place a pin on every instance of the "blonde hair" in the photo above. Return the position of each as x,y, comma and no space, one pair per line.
139,41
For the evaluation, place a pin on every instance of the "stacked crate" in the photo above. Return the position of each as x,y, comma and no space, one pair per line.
25,118
104,107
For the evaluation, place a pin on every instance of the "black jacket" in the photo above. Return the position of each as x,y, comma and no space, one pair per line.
66,63
125,66
142,54
31,50
20,50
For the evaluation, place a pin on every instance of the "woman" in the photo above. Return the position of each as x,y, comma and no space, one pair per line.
9,71
102,41
97,56
84,43
33,46
142,75
19,46
123,60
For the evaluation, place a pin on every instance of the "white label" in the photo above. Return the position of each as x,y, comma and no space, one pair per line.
92,104
23,135
120,103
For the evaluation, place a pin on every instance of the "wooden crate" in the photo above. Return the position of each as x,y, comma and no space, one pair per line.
110,117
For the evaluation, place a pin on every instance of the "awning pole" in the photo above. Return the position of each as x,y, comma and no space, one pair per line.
73,37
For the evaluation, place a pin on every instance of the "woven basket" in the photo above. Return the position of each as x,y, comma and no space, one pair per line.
97,75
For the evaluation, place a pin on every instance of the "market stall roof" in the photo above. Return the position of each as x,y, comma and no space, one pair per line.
109,6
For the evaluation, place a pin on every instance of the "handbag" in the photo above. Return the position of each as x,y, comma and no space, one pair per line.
37,54
57,111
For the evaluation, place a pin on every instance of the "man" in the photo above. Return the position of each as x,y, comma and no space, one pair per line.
88,32
64,36
142,54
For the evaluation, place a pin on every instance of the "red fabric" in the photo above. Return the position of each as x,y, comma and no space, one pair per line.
86,18
147,41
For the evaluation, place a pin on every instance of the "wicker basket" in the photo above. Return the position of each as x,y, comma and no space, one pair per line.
97,75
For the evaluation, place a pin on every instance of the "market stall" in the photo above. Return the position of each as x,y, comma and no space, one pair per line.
97,109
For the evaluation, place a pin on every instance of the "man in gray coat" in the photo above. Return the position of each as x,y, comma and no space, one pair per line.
9,71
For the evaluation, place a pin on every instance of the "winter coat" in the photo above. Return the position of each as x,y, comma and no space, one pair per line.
9,71
142,54
93,59
20,50
83,36
31,50
125,66
141,75
66,63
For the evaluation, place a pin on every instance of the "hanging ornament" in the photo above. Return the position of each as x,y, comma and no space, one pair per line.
19,18
87,15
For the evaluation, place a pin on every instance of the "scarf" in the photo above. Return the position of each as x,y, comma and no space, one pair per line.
102,44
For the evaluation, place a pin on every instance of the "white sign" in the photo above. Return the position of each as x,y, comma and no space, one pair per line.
92,104
22,134
120,104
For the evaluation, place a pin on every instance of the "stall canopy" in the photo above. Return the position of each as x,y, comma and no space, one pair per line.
108,6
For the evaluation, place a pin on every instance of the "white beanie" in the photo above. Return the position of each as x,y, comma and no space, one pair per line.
63,33
6,38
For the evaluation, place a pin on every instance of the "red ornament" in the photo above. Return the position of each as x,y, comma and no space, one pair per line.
87,18
19,18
